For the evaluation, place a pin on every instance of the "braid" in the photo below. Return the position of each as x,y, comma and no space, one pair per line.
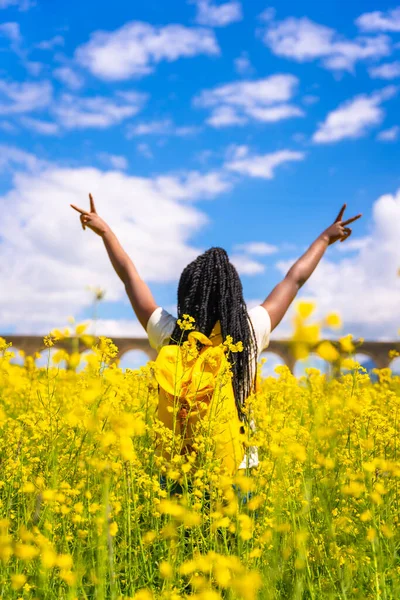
210,290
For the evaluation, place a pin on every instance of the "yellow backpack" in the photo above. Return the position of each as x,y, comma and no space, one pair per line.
196,397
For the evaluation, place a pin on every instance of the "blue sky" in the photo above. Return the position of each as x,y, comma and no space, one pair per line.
238,124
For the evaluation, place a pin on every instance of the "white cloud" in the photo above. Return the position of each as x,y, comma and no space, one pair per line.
48,260
364,288
218,15
223,116
39,126
380,21
245,265
243,65
162,127
258,248
262,100
145,150
69,77
194,185
115,328
97,112
22,5
389,135
11,31
71,112
303,40
150,128
12,157
354,118
115,161
57,40
34,68
18,97
386,71
352,244
310,99
8,127
260,165
136,48
267,15
276,113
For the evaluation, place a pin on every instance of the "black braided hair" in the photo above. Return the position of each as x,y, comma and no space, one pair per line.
210,290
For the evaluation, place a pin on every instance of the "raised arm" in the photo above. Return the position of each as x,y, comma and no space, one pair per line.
281,297
138,291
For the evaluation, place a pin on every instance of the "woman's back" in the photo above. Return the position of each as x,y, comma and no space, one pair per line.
161,326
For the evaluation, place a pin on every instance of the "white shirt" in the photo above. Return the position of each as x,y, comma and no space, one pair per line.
162,324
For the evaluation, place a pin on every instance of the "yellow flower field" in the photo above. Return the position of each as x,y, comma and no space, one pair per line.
83,515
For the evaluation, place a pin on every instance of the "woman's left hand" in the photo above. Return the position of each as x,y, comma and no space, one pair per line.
91,219
338,230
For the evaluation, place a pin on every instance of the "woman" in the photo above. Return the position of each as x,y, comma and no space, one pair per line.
210,290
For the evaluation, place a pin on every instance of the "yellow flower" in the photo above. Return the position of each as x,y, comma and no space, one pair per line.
68,576
4,345
73,360
349,363
25,551
300,351
113,529
387,532
191,519
248,585
346,344
173,474
48,341
305,309
166,570
18,581
149,537
333,320
28,487
188,567
311,333
376,498
57,334
327,351
186,323
64,561
48,558
228,343
208,595
106,348
168,507
80,329
48,495
246,484
143,595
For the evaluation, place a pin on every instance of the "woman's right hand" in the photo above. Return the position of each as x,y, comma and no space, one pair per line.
91,219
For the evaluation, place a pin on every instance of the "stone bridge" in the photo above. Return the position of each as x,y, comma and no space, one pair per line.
377,351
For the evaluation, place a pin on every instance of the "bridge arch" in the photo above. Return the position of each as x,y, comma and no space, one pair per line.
273,359
133,359
314,361
377,351
395,365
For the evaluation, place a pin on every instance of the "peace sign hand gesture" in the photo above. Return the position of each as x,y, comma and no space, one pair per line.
339,230
91,219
